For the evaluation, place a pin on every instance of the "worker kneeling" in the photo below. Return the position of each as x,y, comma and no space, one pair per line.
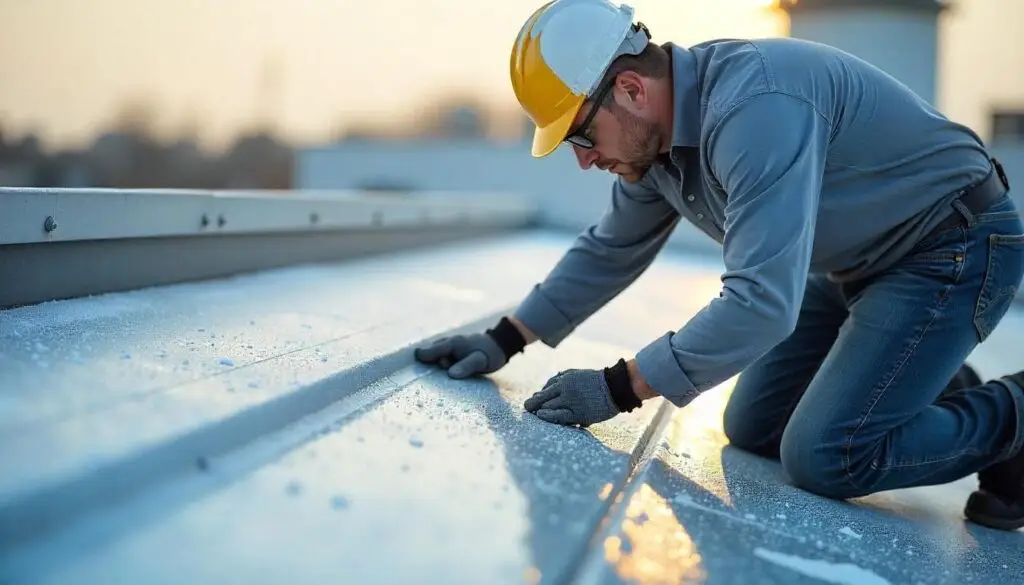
869,244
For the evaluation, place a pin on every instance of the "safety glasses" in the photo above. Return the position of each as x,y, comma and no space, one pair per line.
581,135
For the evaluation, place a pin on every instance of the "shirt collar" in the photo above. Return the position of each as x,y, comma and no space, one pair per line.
686,97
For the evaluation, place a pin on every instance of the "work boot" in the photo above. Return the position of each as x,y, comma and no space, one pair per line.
999,500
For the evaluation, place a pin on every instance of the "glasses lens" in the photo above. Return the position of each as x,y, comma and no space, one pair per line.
581,141
578,137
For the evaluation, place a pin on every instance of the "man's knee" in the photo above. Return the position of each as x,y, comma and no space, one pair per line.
749,430
817,463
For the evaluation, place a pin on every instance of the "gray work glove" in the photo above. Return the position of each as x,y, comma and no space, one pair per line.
464,355
573,397
480,353
584,397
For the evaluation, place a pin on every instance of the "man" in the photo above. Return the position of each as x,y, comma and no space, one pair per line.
869,245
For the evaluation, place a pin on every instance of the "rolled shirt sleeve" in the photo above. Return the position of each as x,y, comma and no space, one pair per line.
603,260
768,154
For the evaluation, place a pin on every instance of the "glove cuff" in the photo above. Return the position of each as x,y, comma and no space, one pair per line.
507,337
617,378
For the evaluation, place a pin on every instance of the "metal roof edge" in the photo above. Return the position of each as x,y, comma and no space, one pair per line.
59,244
62,215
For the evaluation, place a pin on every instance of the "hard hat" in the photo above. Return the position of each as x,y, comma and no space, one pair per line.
561,54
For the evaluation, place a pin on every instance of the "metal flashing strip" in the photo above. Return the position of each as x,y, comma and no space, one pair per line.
38,215
66,243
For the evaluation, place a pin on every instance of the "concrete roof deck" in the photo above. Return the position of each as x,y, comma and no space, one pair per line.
273,428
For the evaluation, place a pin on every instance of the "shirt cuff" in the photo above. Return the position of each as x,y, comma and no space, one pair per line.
543,318
657,364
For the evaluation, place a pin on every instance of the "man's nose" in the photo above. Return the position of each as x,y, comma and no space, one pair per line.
586,157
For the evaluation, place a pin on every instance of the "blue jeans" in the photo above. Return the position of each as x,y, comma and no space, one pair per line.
852,402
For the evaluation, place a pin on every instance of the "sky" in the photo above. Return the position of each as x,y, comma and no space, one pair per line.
66,66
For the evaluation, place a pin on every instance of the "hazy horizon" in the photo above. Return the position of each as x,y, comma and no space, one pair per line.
66,67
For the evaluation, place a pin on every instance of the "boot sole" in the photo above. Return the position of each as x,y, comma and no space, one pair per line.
980,501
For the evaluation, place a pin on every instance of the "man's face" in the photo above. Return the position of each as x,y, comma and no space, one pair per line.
624,141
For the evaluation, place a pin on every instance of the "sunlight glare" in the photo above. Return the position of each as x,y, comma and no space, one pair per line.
654,547
697,430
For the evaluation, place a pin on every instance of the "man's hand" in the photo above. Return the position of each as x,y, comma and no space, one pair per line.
480,353
584,397
464,355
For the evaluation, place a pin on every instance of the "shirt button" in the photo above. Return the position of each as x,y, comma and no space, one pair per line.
700,216
690,197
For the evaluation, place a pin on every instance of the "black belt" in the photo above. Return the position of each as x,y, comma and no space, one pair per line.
977,198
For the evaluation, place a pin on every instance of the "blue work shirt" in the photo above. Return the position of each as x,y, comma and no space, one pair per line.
797,158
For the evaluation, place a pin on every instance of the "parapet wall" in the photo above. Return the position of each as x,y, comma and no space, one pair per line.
63,243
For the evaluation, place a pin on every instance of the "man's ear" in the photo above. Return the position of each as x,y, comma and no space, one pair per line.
632,88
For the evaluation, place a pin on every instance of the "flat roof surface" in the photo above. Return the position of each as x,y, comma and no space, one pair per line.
273,428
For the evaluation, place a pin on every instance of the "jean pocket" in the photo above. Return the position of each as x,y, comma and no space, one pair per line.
1002,279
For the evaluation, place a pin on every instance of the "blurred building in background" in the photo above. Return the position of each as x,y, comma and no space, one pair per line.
130,158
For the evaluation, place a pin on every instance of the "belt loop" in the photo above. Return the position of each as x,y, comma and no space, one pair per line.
1001,172
959,206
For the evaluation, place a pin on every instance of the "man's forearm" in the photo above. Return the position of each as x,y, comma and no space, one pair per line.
642,390
587,277
528,335
640,387
603,260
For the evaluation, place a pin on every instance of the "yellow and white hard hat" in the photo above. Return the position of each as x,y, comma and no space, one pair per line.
559,57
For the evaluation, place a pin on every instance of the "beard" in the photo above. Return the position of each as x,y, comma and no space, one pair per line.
639,144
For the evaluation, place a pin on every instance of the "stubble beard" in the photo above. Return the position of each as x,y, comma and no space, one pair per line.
639,144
